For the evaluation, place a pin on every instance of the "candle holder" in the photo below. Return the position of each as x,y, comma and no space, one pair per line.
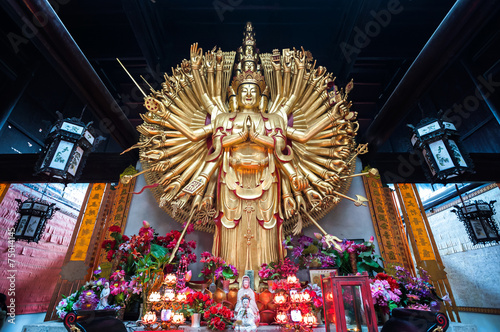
166,302
149,320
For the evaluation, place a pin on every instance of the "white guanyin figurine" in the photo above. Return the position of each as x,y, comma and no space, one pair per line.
245,290
103,301
245,317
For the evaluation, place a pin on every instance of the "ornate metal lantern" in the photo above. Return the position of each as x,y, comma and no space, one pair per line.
66,148
33,218
440,145
478,220
348,304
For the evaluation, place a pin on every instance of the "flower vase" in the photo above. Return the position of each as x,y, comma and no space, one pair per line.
212,288
382,317
225,285
353,259
195,320
270,284
319,317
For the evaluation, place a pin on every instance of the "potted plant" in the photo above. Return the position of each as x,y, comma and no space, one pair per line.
277,270
218,317
215,268
195,306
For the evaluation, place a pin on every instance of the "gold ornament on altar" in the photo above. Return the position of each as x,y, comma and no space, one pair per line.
251,159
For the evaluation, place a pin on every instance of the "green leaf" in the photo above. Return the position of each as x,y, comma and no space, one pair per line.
158,251
364,254
227,274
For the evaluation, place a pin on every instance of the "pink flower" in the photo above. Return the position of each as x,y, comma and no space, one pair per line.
118,275
145,224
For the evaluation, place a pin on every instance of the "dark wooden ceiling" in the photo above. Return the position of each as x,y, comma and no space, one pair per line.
409,59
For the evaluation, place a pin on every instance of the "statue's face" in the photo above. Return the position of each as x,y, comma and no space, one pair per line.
248,96
246,303
248,65
246,283
248,50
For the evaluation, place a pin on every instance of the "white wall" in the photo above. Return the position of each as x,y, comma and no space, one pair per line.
345,221
472,269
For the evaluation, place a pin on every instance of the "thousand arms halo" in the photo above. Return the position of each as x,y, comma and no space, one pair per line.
249,146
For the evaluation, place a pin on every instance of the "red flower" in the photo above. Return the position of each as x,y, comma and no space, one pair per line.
107,243
213,310
110,254
115,229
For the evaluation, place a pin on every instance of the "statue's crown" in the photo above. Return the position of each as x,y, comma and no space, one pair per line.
254,77
249,35
249,77
245,297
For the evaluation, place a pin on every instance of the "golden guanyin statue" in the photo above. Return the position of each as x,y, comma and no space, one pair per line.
252,158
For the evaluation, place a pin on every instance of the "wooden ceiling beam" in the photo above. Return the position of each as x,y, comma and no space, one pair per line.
56,44
454,33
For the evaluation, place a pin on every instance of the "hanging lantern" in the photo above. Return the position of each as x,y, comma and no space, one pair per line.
32,220
441,148
478,220
66,149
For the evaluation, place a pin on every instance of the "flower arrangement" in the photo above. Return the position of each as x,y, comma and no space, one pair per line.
196,302
278,270
128,250
122,289
67,304
417,292
216,268
284,285
385,293
309,252
87,297
218,317
316,297
351,258
355,258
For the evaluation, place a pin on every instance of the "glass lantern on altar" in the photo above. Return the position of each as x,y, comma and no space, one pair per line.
348,304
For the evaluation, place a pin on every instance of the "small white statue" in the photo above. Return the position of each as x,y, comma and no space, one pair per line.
246,291
245,317
103,301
